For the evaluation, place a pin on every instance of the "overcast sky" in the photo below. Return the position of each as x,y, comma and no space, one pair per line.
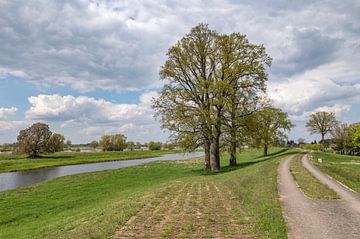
90,67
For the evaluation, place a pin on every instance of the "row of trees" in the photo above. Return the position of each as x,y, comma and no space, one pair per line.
116,142
345,137
39,139
214,95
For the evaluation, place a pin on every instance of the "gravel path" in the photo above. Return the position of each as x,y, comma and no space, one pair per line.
307,218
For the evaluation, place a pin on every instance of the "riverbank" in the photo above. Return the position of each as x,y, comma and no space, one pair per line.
12,162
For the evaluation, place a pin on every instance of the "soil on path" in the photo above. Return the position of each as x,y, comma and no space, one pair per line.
189,209
317,219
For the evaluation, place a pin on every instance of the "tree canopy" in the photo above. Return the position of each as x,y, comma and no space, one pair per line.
321,123
212,82
39,139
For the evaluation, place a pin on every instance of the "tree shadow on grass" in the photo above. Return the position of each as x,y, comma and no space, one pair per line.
56,157
274,153
226,169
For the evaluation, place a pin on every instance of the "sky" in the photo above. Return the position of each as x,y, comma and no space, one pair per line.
89,67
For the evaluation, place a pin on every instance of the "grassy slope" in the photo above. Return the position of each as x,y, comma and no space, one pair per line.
311,187
10,162
93,205
345,169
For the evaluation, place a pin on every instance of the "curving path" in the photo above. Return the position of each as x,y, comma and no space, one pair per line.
316,219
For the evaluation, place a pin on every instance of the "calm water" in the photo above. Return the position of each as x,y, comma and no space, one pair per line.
24,178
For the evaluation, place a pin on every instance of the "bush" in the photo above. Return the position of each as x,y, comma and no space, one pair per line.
154,145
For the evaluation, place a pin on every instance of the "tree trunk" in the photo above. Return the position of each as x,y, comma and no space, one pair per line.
233,146
232,161
214,160
207,155
323,142
265,150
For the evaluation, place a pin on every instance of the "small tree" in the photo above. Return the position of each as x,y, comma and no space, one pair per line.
68,143
118,142
105,143
342,137
268,126
321,123
115,142
130,145
34,140
94,144
155,145
56,143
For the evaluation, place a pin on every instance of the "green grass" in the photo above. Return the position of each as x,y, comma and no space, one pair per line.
311,186
163,197
12,162
345,169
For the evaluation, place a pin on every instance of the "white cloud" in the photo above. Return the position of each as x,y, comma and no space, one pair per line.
303,94
94,117
338,109
120,45
87,109
6,112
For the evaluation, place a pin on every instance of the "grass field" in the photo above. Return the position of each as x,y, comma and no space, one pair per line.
174,199
12,162
345,169
311,186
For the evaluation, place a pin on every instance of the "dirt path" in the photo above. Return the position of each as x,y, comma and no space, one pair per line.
307,218
191,209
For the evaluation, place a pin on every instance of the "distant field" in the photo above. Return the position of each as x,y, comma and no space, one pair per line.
345,169
174,199
10,162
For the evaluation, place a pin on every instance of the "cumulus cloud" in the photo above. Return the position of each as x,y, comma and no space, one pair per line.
94,117
71,109
120,46
6,112
337,109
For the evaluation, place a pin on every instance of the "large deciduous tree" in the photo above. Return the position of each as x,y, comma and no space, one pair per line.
207,75
321,123
34,140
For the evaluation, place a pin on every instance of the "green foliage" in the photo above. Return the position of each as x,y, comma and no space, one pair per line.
94,144
356,137
39,139
131,145
314,147
55,143
154,145
321,123
213,81
268,126
115,142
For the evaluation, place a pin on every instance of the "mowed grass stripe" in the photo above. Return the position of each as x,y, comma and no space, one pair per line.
310,185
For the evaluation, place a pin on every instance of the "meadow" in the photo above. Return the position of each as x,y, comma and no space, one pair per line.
176,199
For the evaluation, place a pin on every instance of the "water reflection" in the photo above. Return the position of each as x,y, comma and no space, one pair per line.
25,178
